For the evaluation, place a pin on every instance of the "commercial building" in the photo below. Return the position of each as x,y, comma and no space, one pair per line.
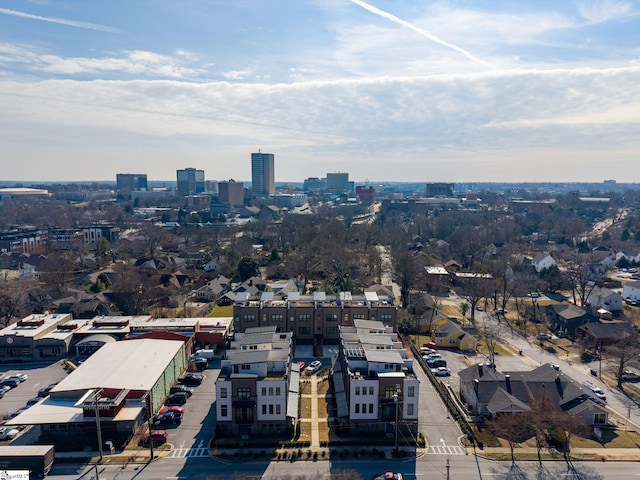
38,337
130,182
119,383
375,384
231,193
338,183
190,181
257,391
313,319
439,190
262,174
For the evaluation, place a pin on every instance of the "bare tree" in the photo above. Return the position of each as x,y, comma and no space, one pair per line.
581,278
407,271
625,351
512,427
13,293
491,336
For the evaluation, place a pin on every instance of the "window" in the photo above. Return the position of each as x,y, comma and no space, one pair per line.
385,317
277,409
358,316
271,409
304,317
389,392
331,317
332,330
244,393
245,366
249,318
277,391
600,418
304,330
223,392
277,317
371,408
264,391
224,410
271,391
411,391
264,409
357,408
357,390
409,409
452,341
364,408
371,390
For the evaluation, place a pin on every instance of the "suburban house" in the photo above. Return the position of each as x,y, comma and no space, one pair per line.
375,385
448,334
542,260
257,390
489,392
213,290
629,256
631,291
602,297
566,317
595,334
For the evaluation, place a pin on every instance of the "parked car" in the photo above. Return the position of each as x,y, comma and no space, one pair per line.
181,388
436,362
426,351
21,377
499,311
441,371
198,364
43,392
301,364
597,391
179,398
173,408
387,476
10,382
157,437
314,366
167,418
533,295
543,336
191,379
8,433
33,401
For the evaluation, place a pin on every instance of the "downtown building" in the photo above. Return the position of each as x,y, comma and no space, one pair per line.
257,391
190,181
262,174
130,182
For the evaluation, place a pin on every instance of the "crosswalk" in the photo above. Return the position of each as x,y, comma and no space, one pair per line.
446,450
195,452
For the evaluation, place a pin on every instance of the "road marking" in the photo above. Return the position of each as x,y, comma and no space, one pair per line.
188,452
446,450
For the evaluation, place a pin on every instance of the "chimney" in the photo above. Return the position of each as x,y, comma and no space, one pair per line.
480,372
507,380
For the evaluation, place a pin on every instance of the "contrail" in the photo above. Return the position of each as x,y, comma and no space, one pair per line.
420,31
61,21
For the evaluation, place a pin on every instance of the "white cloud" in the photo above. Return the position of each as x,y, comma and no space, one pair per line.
597,11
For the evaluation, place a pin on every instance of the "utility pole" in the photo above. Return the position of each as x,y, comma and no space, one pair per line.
149,410
397,400
96,397
448,466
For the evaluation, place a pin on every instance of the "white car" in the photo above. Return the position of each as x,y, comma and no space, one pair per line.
314,366
8,433
441,371
19,376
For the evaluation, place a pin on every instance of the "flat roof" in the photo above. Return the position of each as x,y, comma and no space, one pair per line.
69,410
133,364
383,356
37,324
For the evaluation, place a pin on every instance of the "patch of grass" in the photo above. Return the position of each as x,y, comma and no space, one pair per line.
322,407
226,311
610,439
305,407
323,431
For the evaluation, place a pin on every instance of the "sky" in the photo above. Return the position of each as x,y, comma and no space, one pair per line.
385,90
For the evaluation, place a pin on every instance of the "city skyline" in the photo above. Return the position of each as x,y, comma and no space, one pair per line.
387,91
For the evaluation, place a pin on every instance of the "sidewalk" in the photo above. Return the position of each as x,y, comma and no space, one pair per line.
531,453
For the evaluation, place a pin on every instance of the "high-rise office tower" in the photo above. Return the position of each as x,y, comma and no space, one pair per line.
231,193
130,182
190,181
262,174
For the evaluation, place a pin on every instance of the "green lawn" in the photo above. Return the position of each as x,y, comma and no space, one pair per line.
226,311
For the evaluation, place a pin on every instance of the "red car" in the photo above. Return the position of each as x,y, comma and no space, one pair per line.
158,437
